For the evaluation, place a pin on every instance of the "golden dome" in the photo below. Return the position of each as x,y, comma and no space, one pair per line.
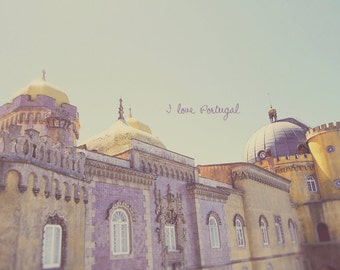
138,124
41,87
117,139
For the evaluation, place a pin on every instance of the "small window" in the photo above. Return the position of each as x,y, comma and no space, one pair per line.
311,183
239,224
170,237
279,230
214,233
52,246
292,230
264,230
120,235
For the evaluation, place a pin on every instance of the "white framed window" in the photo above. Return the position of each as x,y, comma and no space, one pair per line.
170,237
292,231
239,224
120,232
279,230
214,233
264,230
311,183
52,246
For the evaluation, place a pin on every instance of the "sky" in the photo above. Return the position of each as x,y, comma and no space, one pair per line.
173,61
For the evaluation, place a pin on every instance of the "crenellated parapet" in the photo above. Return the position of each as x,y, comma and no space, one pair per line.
322,129
40,151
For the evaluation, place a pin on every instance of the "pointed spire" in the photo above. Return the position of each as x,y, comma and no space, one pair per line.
121,110
43,75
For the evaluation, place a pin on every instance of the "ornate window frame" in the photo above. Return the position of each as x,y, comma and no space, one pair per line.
214,221
120,215
239,224
54,243
264,230
279,230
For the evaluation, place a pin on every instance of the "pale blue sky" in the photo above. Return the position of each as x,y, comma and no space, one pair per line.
155,53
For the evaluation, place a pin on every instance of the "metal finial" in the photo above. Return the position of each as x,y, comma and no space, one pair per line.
121,109
44,75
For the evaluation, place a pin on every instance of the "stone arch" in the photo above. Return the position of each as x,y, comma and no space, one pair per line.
161,172
34,182
57,189
143,167
155,169
47,186
323,233
67,192
214,215
85,194
14,176
76,193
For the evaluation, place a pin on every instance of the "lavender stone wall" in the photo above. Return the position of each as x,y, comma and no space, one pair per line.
106,195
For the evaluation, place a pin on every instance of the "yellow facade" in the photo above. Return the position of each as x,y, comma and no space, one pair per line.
21,224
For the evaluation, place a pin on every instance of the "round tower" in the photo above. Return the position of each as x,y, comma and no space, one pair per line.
324,144
44,108
280,147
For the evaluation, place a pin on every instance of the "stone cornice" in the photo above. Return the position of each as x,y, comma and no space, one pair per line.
204,192
114,172
248,171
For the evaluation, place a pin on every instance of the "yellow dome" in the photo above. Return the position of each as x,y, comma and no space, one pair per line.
117,139
41,87
138,124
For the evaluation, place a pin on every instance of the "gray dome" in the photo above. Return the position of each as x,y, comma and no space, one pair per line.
282,138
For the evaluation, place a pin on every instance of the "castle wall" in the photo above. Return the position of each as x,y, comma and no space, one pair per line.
26,209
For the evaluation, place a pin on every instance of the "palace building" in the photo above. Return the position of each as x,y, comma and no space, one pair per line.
122,200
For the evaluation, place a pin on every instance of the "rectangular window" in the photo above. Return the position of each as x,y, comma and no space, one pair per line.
52,246
170,237
311,183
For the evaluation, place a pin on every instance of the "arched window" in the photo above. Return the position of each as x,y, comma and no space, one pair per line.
52,246
120,232
239,224
279,230
214,233
292,230
54,243
311,183
264,230
323,233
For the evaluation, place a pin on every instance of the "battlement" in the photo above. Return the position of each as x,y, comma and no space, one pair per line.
25,101
322,129
40,151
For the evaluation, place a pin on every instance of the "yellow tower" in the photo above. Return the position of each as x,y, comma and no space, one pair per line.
324,144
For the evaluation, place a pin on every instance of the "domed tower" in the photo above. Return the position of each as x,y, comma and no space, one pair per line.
324,143
45,108
280,147
116,140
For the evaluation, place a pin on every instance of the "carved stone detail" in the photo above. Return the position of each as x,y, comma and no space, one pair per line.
169,211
